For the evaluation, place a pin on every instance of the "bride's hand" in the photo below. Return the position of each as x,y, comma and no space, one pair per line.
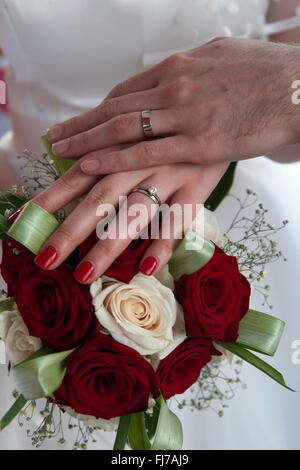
177,184
227,100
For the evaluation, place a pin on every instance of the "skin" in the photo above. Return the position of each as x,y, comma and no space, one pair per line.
227,100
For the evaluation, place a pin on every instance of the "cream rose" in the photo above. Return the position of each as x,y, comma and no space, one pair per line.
143,314
18,344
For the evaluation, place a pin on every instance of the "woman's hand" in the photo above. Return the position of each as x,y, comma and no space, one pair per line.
177,184
227,100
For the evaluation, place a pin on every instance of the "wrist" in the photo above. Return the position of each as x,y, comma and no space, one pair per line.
291,116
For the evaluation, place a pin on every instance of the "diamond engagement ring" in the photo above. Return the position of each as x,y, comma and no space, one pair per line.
151,192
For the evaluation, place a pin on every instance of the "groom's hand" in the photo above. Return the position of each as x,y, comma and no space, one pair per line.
227,100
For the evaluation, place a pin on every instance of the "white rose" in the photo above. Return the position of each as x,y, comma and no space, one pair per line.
207,226
105,424
143,314
18,344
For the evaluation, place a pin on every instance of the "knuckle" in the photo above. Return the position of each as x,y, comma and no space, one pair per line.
63,184
118,89
106,250
120,125
94,199
175,62
116,180
166,249
180,89
42,200
83,140
73,124
220,42
64,236
135,199
112,163
107,110
147,153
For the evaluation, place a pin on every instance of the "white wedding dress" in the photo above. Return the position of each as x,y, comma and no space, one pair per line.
64,57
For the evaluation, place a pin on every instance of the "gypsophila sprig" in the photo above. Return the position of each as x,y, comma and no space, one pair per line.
40,173
53,426
214,388
250,238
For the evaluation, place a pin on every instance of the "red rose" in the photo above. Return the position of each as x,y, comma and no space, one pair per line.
214,299
55,307
180,369
107,379
126,266
14,257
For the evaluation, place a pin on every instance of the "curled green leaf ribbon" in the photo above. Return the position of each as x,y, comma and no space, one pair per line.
255,361
168,434
192,254
260,332
41,374
33,227
61,164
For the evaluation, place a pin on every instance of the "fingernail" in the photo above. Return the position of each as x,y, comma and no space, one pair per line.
61,147
84,272
46,258
148,266
54,132
14,216
90,166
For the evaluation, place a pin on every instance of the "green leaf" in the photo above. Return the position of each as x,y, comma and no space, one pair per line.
33,227
13,412
260,332
62,165
4,225
7,305
191,254
41,374
151,420
122,433
169,434
222,189
137,436
255,361
11,201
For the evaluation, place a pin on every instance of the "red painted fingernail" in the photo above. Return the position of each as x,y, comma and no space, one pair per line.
14,216
84,272
148,266
46,258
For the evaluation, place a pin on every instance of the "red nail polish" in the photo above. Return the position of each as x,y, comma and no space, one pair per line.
148,266
14,216
84,272
46,258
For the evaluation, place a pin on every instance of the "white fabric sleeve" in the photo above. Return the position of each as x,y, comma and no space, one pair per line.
282,25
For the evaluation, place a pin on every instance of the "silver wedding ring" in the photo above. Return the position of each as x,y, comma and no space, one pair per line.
150,192
146,123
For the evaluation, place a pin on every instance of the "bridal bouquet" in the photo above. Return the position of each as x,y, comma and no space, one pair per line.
112,354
